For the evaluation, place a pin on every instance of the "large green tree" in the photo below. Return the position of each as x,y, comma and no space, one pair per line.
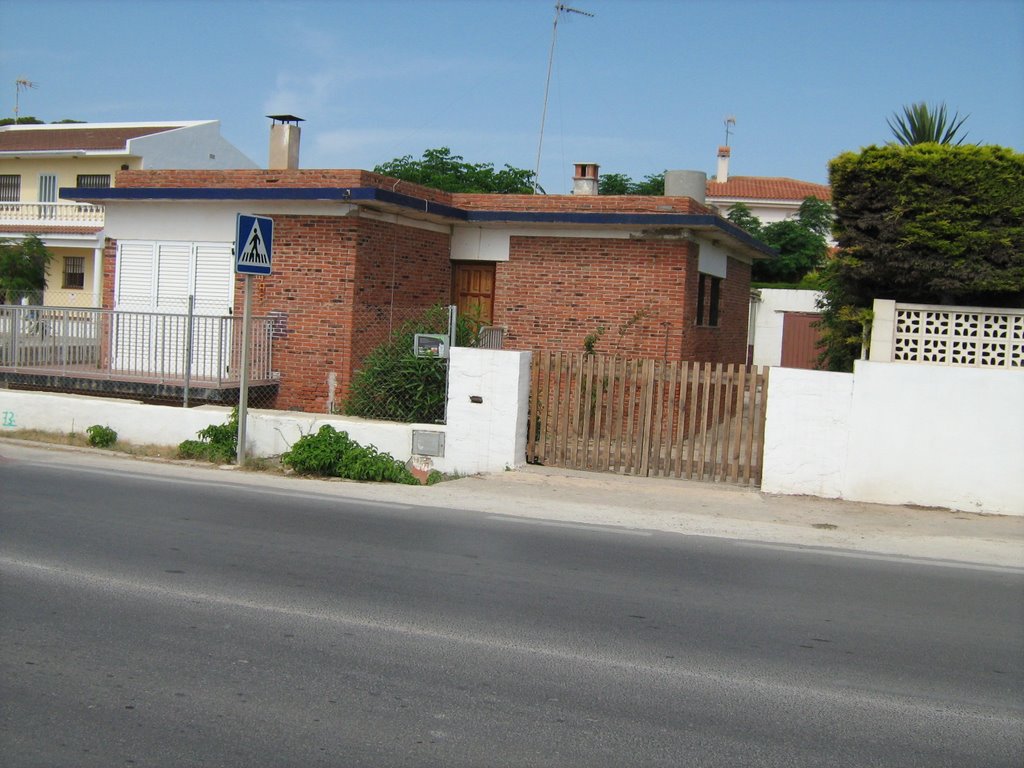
621,184
801,242
926,223
22,268
440,169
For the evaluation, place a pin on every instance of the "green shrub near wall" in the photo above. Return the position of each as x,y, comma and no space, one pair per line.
395,385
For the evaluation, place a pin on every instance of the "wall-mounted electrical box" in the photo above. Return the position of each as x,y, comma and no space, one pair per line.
427,442
430,345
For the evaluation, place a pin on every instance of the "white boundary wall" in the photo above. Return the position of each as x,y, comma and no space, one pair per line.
488,436
898,434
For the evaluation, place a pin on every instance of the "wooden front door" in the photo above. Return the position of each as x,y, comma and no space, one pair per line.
473,290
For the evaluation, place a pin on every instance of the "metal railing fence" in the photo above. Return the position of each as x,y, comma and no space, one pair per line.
182,350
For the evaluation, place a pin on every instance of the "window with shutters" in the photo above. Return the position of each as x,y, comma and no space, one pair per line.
162,275
74,273
10,188
93,180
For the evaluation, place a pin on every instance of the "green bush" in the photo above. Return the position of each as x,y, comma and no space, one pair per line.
217,443
395,385
100,436
330,453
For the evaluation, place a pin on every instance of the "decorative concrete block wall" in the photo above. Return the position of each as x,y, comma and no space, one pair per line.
980,337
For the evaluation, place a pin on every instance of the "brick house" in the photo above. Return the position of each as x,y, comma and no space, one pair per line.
662,276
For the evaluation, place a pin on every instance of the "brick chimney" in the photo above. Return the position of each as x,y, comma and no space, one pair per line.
584,181
284,142
723,164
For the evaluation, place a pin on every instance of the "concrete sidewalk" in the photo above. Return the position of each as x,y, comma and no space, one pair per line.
653,504
710,509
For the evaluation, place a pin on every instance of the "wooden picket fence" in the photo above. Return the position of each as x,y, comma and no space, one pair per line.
700,421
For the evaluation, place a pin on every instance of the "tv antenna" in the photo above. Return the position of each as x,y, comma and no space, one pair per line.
21,84
560,8
729,122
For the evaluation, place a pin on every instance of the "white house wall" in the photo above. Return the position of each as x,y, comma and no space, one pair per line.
193,147
768,317
207,221
712,260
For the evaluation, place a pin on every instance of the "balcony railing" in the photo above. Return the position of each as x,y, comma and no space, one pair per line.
56,214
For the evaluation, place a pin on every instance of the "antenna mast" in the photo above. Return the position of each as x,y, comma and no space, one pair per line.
729,122
21,84
560,8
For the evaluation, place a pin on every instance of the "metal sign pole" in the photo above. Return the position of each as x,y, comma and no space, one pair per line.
188,346
243,389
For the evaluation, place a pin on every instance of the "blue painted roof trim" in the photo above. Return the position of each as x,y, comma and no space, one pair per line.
375,194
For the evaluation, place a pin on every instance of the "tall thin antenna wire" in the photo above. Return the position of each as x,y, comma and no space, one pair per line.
21,84
560,8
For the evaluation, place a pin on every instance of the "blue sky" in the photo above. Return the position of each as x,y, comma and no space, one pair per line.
643,86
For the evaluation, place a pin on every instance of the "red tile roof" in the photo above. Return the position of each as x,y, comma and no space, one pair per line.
767,188
56,139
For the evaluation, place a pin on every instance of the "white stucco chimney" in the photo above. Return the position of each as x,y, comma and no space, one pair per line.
284,142
584,181
723,164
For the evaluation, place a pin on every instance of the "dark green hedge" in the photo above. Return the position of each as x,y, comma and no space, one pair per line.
931,223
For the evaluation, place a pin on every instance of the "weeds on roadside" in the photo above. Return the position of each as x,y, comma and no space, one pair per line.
100,436
217,443
330,453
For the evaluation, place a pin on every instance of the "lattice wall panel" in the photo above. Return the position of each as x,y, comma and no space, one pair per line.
967,338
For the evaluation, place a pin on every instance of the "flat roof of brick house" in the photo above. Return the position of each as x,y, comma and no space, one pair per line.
384,193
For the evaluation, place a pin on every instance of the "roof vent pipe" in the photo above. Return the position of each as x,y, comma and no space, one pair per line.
284,142
584,181
692,184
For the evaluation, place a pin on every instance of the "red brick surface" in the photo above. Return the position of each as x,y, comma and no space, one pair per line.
554,292
332,284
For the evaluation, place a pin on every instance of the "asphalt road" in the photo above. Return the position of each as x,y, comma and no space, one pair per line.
201,619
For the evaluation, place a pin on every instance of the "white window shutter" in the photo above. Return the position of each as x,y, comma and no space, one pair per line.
172,276
214,278
134,284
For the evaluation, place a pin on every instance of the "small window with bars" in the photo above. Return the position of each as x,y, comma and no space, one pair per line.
93,180
74,272
709,289
10,188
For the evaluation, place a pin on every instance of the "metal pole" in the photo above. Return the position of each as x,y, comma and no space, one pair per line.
188,347
243,389
453,313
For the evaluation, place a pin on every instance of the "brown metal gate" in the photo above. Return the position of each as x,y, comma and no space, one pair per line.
701,421
801,338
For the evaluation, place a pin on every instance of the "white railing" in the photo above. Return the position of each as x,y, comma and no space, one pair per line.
979,337
136,346
35,214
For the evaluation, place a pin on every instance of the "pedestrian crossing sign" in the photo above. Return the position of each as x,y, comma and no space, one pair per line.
254,237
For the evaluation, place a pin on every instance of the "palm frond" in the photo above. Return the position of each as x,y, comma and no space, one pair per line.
921,123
